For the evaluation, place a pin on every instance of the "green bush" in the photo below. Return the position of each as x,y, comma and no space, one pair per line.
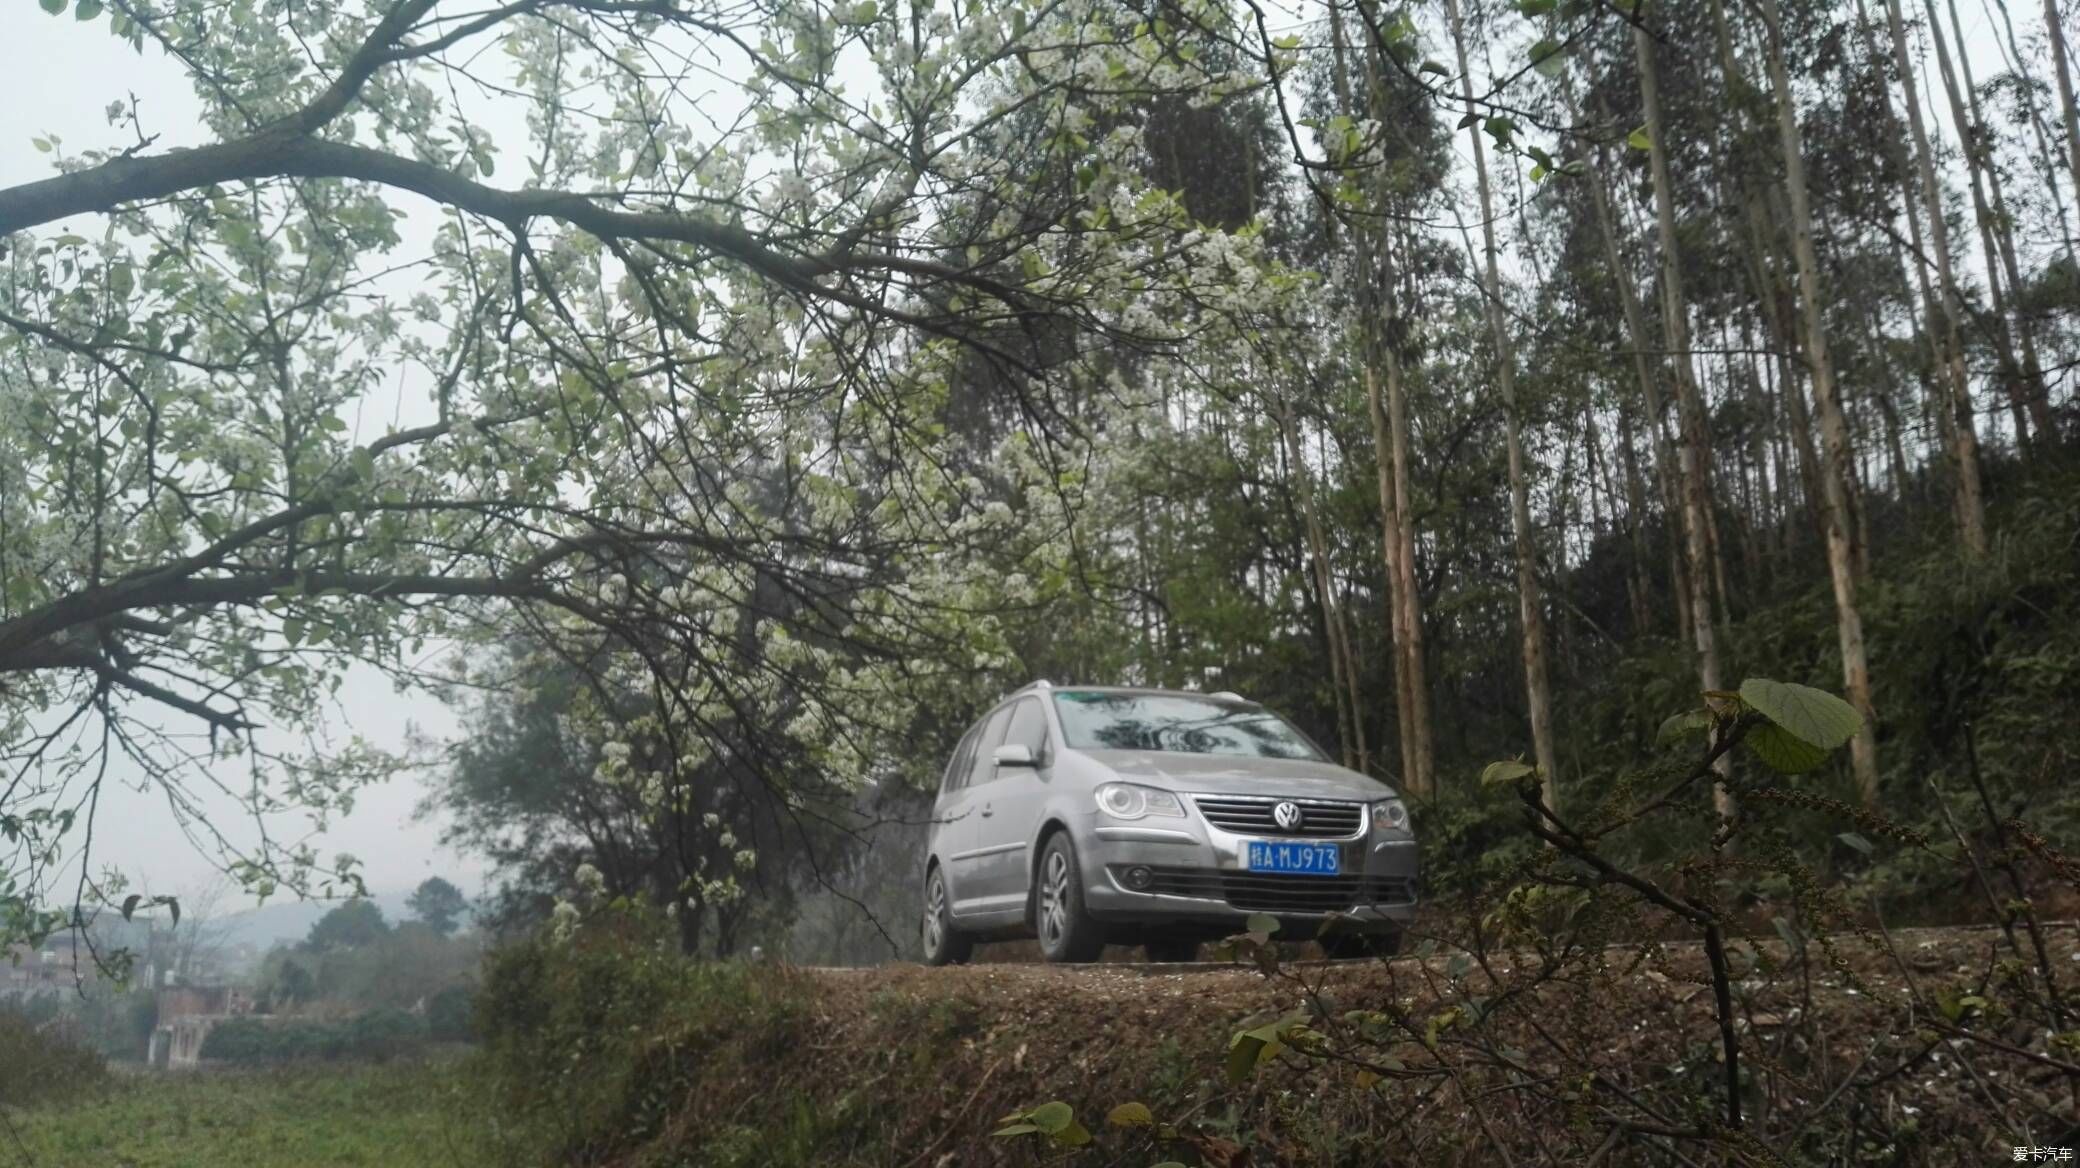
450,1013
592,1044
39,1062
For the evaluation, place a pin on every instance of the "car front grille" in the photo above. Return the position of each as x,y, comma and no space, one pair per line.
1282,893
1254,815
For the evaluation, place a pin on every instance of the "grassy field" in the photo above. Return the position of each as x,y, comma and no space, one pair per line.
398,1116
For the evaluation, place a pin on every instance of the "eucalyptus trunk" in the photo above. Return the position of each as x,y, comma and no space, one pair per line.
1836,467
2022,377
1695,447
1970,503
1530,614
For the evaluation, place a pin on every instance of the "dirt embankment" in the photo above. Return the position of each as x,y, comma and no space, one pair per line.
1871,1050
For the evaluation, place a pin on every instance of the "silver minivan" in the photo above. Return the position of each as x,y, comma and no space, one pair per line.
1090,815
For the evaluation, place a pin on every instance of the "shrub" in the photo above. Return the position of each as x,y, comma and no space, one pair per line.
450,1014
41,1062
593,1044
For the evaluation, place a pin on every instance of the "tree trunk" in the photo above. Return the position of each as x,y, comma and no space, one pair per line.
1409,601
1834,425
1996,233
1390,553
2013,368
2019,63
1530,615
1696,437
1340,666
1970,503
1381,326
2065,88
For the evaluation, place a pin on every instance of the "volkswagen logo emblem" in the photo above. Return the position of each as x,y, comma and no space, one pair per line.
1287,815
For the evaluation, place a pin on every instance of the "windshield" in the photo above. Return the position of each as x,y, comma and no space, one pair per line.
1177,723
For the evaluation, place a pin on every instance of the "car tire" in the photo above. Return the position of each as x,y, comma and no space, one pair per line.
1343,946
1172,950
943,944
1061,921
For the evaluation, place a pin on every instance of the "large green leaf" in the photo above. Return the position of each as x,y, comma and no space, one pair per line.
1052,1118
1682,726
1813,716
1783,751
1506,771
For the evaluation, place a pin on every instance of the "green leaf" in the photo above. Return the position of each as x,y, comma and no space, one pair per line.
1261,923
1130,1115
1638,139
1683,726
865,12
1052,1118
1813,715
43,145
1468,120
1434,67
130,904
1536,8
1509,770
1016,1129
1857,841
54,7
1074,1136
86,9
1549,57
1783,751
1245,1051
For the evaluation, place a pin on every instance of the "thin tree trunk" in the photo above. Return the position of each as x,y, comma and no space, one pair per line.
1649,388
1970,502
1530,614
1834,424
2065,88
1325,590
1410,600
1696,444
2013,373
1996,231
1390,553
2018,62
1381,326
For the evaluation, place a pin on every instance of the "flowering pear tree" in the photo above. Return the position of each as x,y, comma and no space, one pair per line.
628,324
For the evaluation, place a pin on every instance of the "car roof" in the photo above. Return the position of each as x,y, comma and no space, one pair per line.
1153,691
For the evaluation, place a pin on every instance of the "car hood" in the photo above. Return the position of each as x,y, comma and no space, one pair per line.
1216,774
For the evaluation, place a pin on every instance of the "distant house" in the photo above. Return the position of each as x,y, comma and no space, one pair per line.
187,1013
61,964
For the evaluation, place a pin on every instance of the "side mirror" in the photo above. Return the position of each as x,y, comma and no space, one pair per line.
1015,754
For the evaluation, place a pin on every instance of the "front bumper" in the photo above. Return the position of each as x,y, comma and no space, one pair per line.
1197,878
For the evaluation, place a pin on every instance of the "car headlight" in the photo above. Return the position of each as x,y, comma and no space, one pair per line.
1127,801
1390,814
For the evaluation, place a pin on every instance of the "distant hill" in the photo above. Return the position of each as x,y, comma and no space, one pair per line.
289,921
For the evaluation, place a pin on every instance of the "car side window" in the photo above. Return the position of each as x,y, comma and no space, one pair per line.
956,775
984,766
1029,729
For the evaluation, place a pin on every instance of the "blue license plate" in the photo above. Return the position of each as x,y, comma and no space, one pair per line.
1301,859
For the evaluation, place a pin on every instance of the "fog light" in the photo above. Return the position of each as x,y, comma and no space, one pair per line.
1139,878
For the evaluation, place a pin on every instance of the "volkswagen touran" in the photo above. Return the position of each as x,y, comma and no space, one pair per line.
1089,815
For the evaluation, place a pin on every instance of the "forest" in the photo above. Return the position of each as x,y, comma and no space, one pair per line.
718,405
